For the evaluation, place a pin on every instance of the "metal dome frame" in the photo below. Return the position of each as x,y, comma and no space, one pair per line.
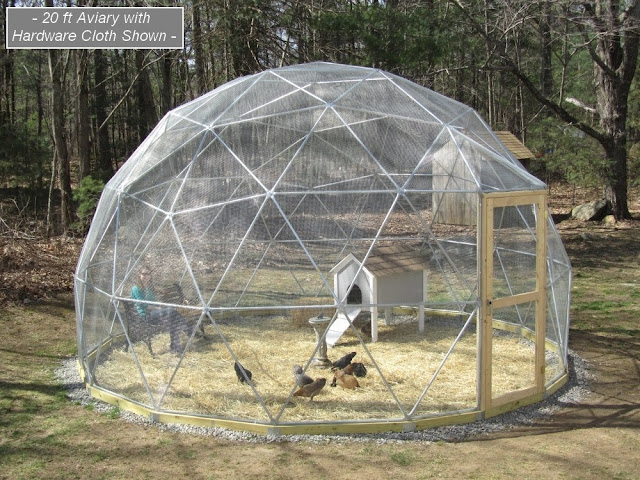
272,179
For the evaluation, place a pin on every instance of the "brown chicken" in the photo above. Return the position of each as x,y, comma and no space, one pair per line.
312,389
357,368
349,369
345,380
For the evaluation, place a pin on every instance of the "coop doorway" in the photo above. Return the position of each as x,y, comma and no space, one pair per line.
355,296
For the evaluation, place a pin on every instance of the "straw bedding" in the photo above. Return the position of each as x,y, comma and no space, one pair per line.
205,382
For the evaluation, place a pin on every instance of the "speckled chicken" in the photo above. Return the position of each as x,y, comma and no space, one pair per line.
301,378
312,389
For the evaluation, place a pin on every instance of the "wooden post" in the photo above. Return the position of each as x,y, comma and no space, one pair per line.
485,331
541,288
424,300
374,310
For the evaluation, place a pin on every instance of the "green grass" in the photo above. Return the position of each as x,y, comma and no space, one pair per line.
403,458
112,413
601,306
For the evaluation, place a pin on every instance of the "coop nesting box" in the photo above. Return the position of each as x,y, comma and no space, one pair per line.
248,204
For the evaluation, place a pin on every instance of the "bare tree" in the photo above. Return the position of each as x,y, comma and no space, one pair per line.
57,71
82,113
104,167
609,31
147,116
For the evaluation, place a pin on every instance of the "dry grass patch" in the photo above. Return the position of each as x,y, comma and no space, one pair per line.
405,363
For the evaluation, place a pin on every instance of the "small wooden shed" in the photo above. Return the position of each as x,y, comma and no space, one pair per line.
454,201
391,276
516,147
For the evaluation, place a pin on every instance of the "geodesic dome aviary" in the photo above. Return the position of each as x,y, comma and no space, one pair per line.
316,205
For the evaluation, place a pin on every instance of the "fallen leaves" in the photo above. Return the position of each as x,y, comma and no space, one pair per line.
31,270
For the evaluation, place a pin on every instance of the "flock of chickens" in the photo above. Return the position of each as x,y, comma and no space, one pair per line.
345,373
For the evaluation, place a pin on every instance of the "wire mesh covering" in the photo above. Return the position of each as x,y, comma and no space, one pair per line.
240,204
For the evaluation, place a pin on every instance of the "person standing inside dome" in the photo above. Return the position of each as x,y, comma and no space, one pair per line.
166,317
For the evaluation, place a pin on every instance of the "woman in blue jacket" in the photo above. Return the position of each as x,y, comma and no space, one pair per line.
156,315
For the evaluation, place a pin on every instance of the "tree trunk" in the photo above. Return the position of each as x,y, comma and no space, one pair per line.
40,121
167,81
56,72
612,106
146,106
7,88
104,167
546,74
49,222
615,62
615,190
84,124
489,73
198,50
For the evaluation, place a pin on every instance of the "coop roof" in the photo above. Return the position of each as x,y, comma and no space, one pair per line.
515,146
390,260
395,259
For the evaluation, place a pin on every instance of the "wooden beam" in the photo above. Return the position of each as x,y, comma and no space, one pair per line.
485,330
541,287
516,299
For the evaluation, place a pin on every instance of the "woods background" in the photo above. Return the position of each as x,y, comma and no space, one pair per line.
558,74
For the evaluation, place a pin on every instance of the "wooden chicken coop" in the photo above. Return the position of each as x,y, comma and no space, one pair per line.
391,276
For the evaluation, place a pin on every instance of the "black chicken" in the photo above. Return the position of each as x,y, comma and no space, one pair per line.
243,377
344,361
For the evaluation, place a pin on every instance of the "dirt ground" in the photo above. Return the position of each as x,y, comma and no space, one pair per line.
44,435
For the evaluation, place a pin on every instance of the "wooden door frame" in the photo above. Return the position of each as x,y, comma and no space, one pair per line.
488,202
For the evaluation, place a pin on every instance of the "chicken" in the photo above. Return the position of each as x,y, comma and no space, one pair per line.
301,378
245,376
312,389
344,361
345,380
366,330
349,369
356,368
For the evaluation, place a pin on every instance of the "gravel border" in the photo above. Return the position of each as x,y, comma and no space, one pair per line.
572,393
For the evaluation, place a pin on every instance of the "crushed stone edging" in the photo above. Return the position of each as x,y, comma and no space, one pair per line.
572,393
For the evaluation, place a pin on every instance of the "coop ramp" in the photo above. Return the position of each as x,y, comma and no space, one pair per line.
341,323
